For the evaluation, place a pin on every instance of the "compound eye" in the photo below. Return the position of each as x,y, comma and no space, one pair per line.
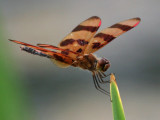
106,66
103,64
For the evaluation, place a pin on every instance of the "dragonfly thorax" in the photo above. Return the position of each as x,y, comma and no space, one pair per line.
91,63
87,61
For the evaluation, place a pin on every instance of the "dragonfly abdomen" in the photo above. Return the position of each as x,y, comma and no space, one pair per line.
34,51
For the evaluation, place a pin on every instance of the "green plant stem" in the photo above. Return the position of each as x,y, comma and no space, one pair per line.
117,107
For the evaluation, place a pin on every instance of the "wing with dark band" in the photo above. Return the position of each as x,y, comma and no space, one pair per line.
44,52
107,35
67,52
80,36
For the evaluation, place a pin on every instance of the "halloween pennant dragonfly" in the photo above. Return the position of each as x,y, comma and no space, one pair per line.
77,48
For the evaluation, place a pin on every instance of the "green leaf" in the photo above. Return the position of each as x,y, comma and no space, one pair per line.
117,107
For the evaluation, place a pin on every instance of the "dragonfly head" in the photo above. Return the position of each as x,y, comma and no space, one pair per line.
103,64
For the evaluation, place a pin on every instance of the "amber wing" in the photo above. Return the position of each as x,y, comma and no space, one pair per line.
80,36
62,51
52,54
107,35
77,40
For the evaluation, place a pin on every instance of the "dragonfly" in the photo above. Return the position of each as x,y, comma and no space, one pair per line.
77,48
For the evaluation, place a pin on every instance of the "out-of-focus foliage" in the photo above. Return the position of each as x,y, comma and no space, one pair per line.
11,94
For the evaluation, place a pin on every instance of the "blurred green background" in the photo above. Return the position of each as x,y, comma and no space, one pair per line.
35,85
13,104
